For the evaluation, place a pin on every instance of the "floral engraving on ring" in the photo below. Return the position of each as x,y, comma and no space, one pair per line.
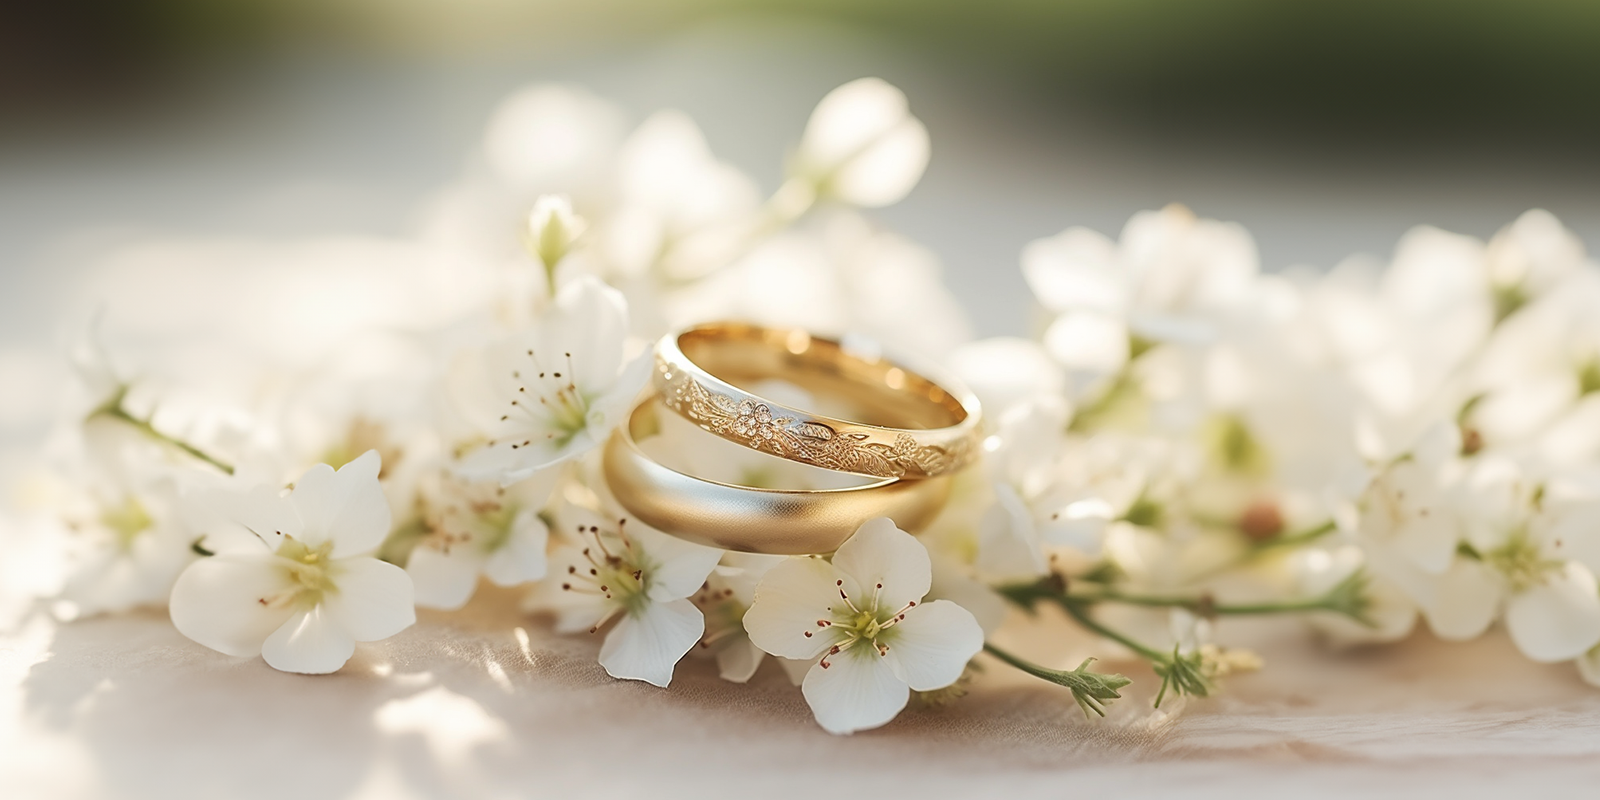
755,425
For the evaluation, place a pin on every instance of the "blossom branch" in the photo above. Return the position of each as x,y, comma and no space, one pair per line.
114,409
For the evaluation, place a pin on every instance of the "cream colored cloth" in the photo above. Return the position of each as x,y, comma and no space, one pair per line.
486,702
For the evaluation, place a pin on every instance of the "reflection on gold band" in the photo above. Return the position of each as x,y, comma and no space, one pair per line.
910,426
747,519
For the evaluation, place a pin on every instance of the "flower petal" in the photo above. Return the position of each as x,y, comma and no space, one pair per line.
589,321
1008,541
374,600
608,410
858,690
1005,370
1427,532
1575,533
646,647
504,464
1559,619
880,553
1088,342
680,567
790,599
932,645
1429,541
311,642
1465,600
1076,269
522,558
346,507
738,660
444,580
863,143
953,581
225,602
252,520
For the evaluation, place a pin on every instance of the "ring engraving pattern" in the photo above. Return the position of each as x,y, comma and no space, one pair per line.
759,426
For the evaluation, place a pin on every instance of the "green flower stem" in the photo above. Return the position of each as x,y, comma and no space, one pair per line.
1297,538
115,410
1202,605
1080,612
1260,549
1092,690
1347,598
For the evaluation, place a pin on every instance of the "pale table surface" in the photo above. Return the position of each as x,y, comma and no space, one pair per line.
487,703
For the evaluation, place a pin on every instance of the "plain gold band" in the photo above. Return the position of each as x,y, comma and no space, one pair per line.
752,520
912,426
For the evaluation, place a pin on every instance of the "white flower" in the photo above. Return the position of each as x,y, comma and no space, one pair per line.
480,529
862,146
1530,257
554,392
683,214
1408,508
1533,554
724,600
1401,335
127,549
306,589
1046,493
1539,376
1170,278
626,571
862,621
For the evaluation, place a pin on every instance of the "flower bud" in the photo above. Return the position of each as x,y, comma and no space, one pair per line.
552,228
862,146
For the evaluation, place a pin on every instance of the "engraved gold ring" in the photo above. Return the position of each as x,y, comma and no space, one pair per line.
910,426
750,519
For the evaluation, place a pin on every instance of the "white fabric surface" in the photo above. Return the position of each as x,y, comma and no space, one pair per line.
487,703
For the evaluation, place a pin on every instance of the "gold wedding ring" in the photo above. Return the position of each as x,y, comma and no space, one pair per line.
749,519
911,426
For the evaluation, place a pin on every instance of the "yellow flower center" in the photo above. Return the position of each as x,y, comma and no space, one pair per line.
311,573
126,521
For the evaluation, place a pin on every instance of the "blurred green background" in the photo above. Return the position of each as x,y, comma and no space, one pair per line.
1337,73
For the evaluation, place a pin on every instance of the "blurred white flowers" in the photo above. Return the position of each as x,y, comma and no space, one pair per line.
1171,278
1189,437
127,548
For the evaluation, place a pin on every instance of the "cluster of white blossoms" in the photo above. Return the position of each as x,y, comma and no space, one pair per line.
1187,438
